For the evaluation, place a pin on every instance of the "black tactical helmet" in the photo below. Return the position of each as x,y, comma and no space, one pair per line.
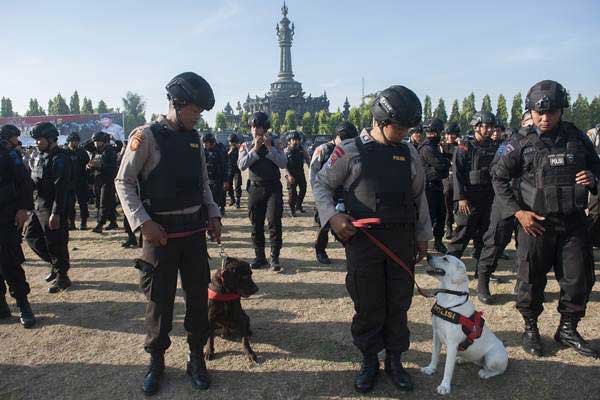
233,138
209,137
346,130
44,130
433,125
397,104
546,96
452,128
8,131
294,135
500,125
100,137
260,119
73,137
416,129
483,117
190,88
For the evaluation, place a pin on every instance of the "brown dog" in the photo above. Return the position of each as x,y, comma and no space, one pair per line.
228,285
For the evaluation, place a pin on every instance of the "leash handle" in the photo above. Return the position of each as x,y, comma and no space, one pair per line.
366,222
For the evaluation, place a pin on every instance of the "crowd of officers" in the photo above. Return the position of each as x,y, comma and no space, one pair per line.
421,179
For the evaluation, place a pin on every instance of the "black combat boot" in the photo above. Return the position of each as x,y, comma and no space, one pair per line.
97,228
61,283
449,232
322,257
154,374
51,276
231,202
366,377
439,246
130,242
196,369
237,203
300,208
72,225
4,308
567,335
83,225
532,343
483,289
275,266
26,317
260,261
112,225
393,367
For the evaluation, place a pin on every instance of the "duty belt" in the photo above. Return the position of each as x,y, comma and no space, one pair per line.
174,223
264,183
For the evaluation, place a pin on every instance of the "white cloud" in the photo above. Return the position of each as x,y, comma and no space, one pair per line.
216,20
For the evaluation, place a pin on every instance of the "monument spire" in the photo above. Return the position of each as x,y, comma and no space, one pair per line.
285,35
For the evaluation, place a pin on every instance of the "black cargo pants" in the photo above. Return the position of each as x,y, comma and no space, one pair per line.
296,191
437,212
495,239
265,200
11,260
471,226
51,245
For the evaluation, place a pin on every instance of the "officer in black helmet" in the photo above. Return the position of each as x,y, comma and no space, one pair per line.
346,130
48,231
264,158
451,133
79,161
103,168
557,167
174,209
297,156
473,192
436,168
234,175
415,135
382,177
216,165
16,200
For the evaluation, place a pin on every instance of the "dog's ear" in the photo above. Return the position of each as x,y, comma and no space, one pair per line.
228,278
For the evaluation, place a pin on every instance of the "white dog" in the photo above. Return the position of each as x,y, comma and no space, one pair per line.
486,350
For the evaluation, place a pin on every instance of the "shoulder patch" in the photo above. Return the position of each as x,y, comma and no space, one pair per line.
509,147
337,153
365,137
137,137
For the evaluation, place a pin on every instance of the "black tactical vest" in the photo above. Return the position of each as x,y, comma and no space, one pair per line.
384,187
215,164
8,190
177,181
295,162
554,169
43,175
480,158
264,170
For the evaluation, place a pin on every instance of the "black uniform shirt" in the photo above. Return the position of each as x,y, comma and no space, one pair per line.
436,166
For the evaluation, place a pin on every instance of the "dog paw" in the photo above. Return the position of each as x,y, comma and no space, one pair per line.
428,370
443,389
485,374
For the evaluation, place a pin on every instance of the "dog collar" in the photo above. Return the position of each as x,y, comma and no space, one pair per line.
454,292
471,326
222,297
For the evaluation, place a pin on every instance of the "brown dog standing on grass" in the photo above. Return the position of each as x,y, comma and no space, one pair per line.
226,317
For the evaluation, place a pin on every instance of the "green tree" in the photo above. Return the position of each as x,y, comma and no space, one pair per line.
334,120
486,104
289,122
354,117
581,113
595,111
86,106
34,108
366,118
134,109
201,125
220,121
502,110
440,111
307,124
6,108
516,111
244,123
455,113
102,107
74,103
467,111
275,123
427,108
50,106
323,120
59,106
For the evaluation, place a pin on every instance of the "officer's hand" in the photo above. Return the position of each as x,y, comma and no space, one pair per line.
342,226
528,219
214,229
21,218
290,179
54,222
268,142
259,141
421,251
464,207
154,233
585,178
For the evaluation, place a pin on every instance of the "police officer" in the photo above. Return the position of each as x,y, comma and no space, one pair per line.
382,177
48,231
416,135
234,175
557,167
173,209
264,158
473,192
103,167
436,168
296,179
79,162
452,133
16,199
346,130
216,165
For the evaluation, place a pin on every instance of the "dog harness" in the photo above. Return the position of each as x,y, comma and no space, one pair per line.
222,297
471,326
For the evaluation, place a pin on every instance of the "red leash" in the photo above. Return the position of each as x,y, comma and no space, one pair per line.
365,223
178,235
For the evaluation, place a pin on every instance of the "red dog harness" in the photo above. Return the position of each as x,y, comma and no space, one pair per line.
222,297
472,326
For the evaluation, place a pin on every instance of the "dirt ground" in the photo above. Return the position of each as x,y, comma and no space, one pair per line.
88,340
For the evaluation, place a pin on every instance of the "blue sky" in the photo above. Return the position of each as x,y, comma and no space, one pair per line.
441,48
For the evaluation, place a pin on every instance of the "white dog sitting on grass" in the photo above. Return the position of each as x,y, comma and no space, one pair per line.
456,324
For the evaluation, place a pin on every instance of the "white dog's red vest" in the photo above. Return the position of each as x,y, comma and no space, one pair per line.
471,326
